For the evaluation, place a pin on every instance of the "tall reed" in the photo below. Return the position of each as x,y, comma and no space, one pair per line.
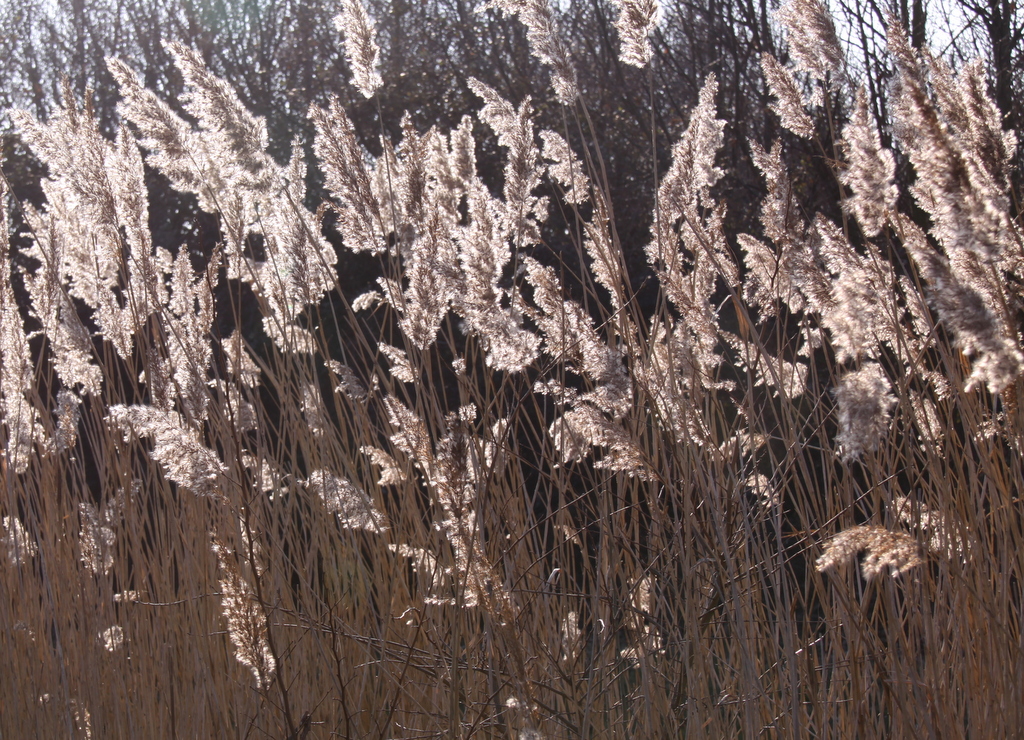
469,504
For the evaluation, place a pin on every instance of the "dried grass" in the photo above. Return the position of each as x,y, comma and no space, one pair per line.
481,508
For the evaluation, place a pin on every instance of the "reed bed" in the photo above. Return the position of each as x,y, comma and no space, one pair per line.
493,498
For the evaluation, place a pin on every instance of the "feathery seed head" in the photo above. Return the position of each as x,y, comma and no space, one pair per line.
812,39
789,102
636,21
870,170
545,41
16,542
864,399
361,48
247,622
895,552
340,496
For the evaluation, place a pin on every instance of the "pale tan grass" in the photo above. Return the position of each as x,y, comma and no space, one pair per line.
504,502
